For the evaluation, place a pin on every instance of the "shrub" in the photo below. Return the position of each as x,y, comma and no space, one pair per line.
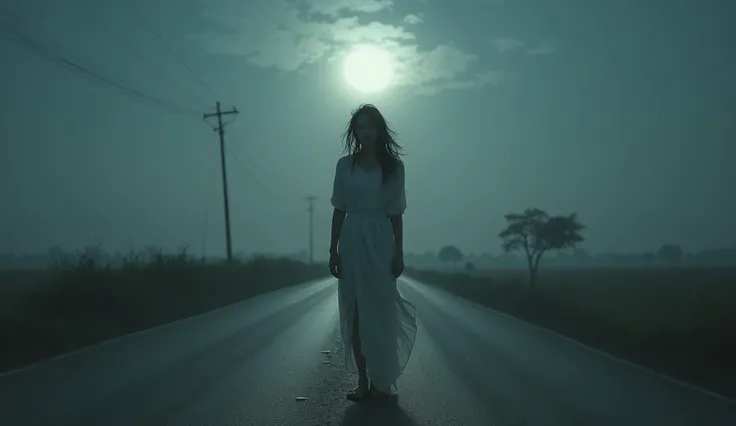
92,301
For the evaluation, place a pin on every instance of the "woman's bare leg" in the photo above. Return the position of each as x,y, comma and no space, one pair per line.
359,358
361,364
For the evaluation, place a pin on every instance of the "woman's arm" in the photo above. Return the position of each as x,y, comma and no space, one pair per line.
397,205
338,202
397,223
338,216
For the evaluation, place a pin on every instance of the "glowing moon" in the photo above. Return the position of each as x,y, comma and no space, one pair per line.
368,69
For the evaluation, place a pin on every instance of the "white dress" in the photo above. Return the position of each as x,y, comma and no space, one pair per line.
386,321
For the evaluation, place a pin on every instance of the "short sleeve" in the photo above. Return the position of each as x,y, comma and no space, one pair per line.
338,198
397,194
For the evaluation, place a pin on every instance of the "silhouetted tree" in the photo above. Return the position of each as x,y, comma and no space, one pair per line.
670,254
450,254
536,233
469,267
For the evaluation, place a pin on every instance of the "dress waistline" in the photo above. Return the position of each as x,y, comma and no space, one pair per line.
368,216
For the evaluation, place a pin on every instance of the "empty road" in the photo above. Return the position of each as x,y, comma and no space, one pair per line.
247,363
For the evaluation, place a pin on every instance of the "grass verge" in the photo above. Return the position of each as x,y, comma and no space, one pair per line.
681,323
88,302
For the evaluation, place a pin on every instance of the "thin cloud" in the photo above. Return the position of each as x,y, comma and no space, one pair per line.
288,36
505,45
336,7
508,45
544,48
476,81
414,19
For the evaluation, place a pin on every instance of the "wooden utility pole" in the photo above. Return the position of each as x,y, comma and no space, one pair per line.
221,130
311,199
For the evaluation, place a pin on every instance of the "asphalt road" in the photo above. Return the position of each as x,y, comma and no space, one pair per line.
246,364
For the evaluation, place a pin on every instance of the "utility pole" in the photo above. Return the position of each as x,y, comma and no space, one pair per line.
311,199
221,130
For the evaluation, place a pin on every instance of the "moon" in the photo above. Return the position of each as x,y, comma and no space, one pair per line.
368,69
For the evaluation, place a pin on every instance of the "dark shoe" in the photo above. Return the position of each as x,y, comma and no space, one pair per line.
377,394
359,393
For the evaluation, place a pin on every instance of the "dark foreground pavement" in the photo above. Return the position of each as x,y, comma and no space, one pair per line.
246,364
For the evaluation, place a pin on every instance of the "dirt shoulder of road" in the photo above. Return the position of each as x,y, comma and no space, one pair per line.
679,323
85,305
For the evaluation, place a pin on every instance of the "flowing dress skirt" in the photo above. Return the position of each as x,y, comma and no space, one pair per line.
386,321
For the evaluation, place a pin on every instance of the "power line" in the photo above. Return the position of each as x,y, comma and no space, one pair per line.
121,40
83,71
148,24
252,176
270,192
282,195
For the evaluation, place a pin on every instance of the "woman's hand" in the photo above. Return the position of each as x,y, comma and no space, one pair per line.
335,265
397,264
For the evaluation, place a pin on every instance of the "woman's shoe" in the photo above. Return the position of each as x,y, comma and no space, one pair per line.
377,394
360,393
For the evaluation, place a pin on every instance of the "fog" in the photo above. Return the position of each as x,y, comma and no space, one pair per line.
498,110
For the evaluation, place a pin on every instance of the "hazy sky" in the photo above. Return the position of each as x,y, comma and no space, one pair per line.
622,111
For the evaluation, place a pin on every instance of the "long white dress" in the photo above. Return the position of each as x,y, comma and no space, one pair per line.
386,321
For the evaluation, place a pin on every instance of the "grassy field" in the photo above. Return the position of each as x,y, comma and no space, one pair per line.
641,300
44,313
681,322
16,284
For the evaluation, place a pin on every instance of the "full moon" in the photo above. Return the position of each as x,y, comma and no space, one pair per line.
368,69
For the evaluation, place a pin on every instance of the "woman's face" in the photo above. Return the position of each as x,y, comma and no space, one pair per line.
365,130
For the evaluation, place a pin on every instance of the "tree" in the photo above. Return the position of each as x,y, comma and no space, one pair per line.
470,267
670,254
536,233
450,254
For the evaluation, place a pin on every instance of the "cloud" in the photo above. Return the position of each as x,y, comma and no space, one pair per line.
289,35
543,48
335,7
477,80
505,45
414,19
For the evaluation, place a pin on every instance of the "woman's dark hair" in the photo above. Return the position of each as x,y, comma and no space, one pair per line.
388,150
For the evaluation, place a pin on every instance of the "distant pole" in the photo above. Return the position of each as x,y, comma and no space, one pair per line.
311,199
221,130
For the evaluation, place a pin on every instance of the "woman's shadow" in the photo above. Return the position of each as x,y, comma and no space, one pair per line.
377,412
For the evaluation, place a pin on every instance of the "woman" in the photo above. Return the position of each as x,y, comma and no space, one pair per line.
366,255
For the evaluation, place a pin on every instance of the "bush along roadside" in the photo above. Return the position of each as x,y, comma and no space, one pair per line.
90,303
702,357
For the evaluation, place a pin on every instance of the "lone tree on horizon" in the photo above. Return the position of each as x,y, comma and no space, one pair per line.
671,254
536,232
450,254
